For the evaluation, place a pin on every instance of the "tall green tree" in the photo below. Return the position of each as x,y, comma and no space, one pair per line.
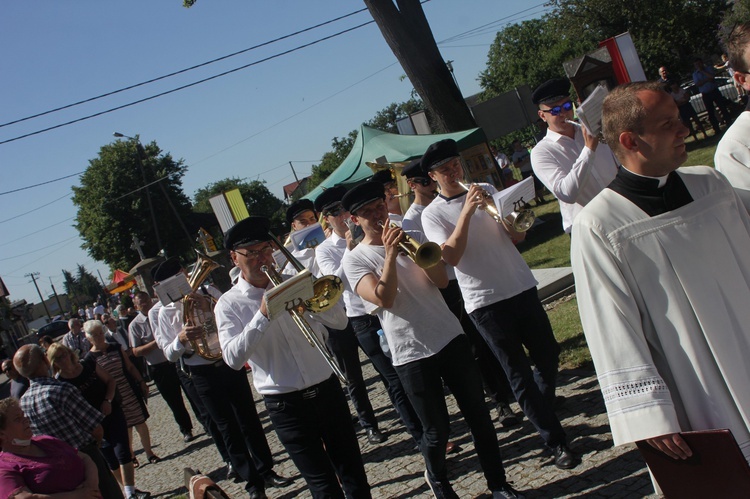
258,199
113,205
82,288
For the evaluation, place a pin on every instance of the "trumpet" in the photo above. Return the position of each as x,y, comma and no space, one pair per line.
425,255
520,220
305,327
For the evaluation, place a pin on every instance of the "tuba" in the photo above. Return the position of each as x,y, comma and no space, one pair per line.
425,255
404,192
200,312
520,220
304,326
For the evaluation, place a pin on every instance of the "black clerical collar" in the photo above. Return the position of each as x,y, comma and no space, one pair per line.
646,193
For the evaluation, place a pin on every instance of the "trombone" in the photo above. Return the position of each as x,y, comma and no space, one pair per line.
520,220
425,255
304,326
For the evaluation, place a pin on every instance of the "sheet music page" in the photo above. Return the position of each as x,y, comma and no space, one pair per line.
173,289
590,110
309,237
521,193
291,293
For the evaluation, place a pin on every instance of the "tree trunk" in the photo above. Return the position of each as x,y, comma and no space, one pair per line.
406,30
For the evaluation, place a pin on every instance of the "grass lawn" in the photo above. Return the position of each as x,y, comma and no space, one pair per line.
547,246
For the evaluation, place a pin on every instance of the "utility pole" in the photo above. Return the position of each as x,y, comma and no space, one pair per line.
62,312
295,173
33,276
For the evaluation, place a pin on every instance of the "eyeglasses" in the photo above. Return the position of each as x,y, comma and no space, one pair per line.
253,254
334,212
424,182
555,111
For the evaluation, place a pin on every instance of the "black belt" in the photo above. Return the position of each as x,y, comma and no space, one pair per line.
308,393
206,367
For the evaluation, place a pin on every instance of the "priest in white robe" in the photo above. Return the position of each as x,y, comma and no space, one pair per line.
662,272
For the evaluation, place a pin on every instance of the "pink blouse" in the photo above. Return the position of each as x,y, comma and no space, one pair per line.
61,470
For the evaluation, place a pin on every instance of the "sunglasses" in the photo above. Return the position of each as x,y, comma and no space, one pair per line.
555,111
424,182
334,212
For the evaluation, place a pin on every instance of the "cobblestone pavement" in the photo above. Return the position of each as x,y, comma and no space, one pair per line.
395,469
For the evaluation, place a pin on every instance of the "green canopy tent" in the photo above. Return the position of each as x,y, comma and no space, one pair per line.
372,143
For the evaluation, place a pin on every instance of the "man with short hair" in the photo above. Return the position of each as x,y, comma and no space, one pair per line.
427,343
703,77
663,282
75,339
572,163
18,384
58,409
163,372
386,177
733,152
499,292
304,399
664,75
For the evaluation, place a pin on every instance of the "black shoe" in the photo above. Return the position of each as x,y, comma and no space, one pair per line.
564,457
140,494
441,490
232,473
188,436
505,415
507,492
272,479
257,494
375,437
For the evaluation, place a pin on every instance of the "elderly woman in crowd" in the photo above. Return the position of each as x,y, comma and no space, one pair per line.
32,466
130,384
99,390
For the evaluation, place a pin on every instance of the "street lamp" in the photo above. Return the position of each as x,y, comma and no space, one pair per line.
139,150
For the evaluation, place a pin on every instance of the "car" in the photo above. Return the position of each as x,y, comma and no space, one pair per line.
54,329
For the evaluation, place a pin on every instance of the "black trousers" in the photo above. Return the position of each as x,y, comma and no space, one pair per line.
314,425
165,377
366,330
423,381
712,98
108,486
228,399
343,345
200,411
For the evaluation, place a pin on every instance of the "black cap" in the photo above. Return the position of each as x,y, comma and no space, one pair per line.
414,170
551,91
298,207
383,177
166,269
361,195
246,232
329,198
439,153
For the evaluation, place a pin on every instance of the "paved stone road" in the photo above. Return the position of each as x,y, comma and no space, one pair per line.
394,469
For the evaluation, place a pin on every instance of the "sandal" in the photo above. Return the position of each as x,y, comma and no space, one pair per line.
153,459
135,462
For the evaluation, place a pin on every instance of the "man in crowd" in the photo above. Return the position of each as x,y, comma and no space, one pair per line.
703,77
75,339
425,338
386,178
569,161
499,292
58,409
224,392
162,371
304,399
18,384
363,327
663,282
733,152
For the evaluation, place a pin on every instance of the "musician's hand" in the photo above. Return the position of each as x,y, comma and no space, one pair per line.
199,301
591,141
391,238
190,333
672,445
474,199
350,244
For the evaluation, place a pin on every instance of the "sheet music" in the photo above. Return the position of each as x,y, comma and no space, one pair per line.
309,237
520,193
291,293
590,110
173,289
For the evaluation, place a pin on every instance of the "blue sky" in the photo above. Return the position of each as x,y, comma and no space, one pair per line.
248,124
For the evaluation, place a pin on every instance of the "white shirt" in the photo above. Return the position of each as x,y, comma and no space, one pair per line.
166,336
733,156
329,255
665,304
491,268
140,333
99,310
419,324
413,218
571,171
281,358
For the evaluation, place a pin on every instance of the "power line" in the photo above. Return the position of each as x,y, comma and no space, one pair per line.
36,232
183,87
36,250
175,73
67,194
41,183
